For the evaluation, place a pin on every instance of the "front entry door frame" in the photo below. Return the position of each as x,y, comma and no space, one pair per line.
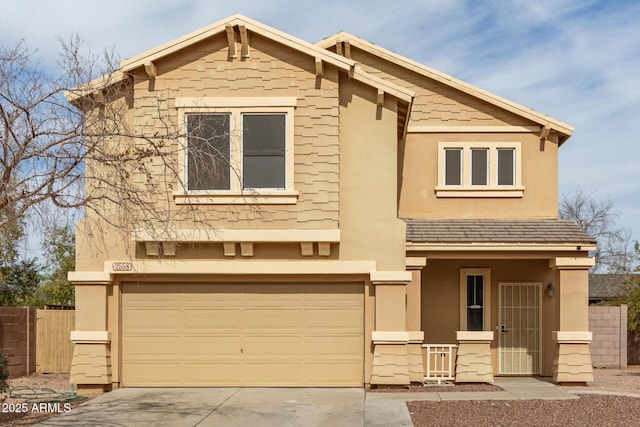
520,328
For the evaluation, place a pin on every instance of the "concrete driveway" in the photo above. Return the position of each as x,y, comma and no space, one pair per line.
221,407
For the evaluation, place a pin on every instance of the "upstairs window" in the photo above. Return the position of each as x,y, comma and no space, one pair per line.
482,169
237,150
479,166
453,166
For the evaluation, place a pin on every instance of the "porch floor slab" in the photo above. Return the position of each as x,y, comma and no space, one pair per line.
520,388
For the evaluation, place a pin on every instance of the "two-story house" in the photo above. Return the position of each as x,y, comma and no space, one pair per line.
350,209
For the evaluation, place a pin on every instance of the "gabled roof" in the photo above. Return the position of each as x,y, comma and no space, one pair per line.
250,25
564,130
483,231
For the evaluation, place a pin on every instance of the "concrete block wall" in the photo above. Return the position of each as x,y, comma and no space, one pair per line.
18,337
609,327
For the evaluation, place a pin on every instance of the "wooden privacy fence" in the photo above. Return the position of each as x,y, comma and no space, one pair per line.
54,349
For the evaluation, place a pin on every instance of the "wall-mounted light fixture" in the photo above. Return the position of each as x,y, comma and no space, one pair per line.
550,290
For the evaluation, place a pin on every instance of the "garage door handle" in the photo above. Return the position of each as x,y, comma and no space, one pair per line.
242,350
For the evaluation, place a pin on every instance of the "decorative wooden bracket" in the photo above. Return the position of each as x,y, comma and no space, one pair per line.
244,40
380,99
319,70
151,70
231,39
544,132
347,49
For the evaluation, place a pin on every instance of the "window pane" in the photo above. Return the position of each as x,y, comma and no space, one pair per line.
506,166
264,144
475,306
479,164
264,172
453,161
208,152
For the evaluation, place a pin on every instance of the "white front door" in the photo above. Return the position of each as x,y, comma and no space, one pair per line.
519,328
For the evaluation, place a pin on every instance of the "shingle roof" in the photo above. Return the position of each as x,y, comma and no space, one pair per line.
495,231
603,286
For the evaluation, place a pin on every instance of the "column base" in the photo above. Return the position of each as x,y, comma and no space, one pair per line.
473,359
572,363
390,361
91,366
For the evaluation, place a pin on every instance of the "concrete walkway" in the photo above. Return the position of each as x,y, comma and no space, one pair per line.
266,407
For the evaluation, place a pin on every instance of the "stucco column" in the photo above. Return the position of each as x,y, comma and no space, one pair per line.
390,338
91,364
414,319
572,363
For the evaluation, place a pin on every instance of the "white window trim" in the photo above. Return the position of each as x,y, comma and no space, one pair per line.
236,106
490,190
486,272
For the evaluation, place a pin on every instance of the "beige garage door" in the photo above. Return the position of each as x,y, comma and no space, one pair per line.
242,334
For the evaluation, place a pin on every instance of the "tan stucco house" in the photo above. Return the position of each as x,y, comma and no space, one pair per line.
365,209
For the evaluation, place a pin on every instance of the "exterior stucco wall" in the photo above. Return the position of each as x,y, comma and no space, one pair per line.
441,300
368,191
418,197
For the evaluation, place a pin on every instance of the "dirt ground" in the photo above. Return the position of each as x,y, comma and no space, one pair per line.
35,398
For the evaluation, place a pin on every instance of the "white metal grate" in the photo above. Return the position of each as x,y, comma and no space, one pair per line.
519,328
440,362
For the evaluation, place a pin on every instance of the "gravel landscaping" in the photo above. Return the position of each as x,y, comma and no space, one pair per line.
607,408
589,410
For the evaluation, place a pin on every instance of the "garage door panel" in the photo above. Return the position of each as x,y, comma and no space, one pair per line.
332,345
143,345
335,319
270,319
272,374
266,346
212,346
152,374
333,374
212,318
152,319
219,373
264,334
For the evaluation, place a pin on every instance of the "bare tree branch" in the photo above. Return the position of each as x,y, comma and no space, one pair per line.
598,218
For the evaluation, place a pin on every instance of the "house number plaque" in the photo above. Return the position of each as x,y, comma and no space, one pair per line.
122,266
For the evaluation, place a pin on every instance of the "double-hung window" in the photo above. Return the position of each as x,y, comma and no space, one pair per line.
237,150
482,169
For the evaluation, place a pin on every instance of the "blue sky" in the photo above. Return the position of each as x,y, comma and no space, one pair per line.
575,60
